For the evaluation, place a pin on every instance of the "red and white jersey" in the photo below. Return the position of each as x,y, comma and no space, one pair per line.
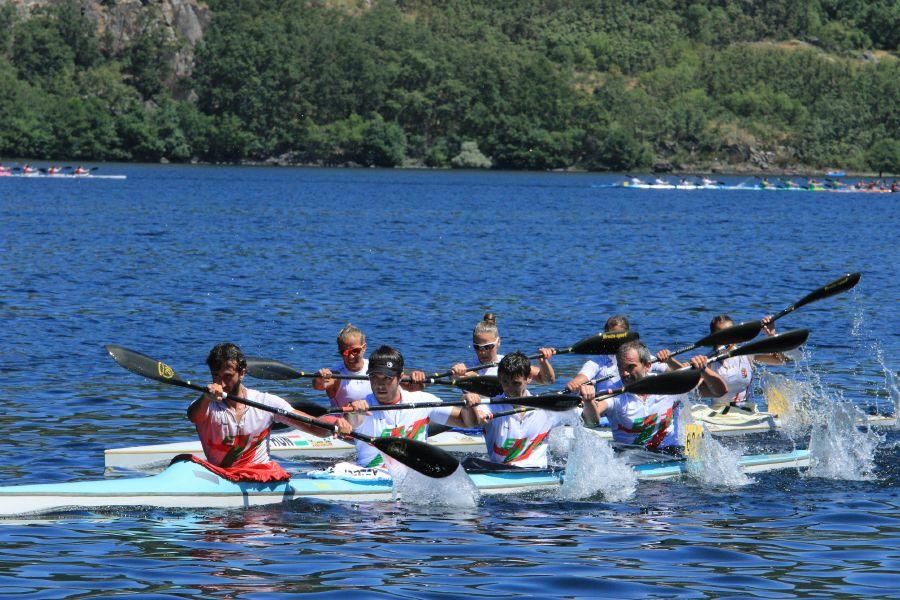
410,423
737,373
351,390
521,439
651,422
227,442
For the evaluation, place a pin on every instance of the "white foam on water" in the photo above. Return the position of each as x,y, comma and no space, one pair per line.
593,467
838,448
890,381
412,487
715,465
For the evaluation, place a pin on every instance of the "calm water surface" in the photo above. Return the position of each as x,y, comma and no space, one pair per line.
176,259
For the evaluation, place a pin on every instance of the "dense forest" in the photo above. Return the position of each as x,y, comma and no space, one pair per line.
511,84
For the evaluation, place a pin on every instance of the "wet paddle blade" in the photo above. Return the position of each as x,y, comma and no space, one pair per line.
145,366
839,285
664,384
483,385
264,368
735,334
419,456
602,343
771,345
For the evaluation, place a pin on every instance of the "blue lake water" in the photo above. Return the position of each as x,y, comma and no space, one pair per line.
175,259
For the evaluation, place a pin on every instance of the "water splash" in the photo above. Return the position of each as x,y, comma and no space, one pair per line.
890,380
838,449
593,467
412,487
717,466
841,445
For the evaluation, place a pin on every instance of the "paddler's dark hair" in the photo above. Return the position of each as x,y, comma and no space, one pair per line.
222,354
719,320
617,322
514,364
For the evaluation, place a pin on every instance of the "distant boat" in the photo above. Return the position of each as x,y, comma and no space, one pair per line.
835,174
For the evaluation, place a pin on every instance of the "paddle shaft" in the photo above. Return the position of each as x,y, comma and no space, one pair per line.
839,285
548,402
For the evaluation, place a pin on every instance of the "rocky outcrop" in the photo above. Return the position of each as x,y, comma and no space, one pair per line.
121,21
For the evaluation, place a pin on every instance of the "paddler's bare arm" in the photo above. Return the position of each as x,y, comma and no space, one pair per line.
593,410
543,372
711,385
577,382
201,405
326,383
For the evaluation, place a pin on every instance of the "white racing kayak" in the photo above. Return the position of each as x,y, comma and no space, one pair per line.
295,444
292,444
190,485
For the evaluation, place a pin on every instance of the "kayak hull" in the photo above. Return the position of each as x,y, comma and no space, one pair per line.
295,444
290,445
189,485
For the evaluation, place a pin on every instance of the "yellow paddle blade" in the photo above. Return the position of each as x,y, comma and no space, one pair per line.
775,399
692,438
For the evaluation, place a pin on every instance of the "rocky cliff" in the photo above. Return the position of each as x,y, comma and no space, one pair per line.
120,21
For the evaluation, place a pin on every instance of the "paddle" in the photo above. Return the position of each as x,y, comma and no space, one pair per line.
781,342
419,456
672,383
301,404
601,343
554,402
262,368
724,337
839,285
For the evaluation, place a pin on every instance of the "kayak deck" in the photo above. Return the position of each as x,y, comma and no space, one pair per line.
189,485
295,444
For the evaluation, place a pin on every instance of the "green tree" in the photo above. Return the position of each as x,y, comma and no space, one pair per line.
884,156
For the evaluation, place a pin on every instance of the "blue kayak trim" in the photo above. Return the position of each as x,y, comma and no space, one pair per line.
189,485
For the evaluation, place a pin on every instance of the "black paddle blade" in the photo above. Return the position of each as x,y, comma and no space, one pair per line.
263,368
483,385
603,343
841,284
144,365
664,384
555,402
735,334
777,343
419,456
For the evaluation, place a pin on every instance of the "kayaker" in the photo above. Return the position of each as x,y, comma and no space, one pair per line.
737,371
486,343
385,368
234,436
598,367
518,440
603,366
650,421
351,344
